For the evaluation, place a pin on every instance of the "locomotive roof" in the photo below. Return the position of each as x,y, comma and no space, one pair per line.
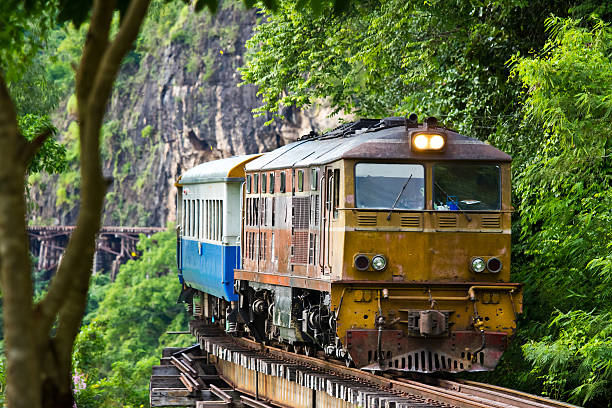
373,139
217,170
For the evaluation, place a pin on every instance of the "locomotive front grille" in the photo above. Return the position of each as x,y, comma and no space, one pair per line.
410,221
428,361
491,221
365,220
447,221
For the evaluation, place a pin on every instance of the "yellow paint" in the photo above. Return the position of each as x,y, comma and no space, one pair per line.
238,170
424,264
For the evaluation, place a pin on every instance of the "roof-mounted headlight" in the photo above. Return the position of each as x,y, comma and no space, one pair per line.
428,141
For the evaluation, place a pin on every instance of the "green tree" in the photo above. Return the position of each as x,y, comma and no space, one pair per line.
443,58
39,359
565,192
112,353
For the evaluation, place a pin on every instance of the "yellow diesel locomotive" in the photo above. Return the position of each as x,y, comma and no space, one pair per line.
383,243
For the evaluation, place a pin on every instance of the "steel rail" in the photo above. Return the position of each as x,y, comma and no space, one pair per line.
502,394
461,393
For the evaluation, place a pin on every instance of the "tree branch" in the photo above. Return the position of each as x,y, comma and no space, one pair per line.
31,148
9,133
95,46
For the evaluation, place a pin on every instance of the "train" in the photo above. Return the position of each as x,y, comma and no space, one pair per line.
383,244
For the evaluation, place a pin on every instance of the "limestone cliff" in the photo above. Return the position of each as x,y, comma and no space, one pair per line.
177,103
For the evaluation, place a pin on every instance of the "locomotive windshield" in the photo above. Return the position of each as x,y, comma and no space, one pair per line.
466,187
385,186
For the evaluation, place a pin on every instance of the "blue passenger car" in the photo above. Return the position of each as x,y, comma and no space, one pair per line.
208,217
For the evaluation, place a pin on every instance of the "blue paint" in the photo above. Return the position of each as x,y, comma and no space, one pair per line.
210,269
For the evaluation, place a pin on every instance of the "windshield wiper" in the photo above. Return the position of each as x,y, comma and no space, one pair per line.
398,197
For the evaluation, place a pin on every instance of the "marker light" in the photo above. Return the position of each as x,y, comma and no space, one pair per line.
379,263
494,265
478,265
362,262
429,141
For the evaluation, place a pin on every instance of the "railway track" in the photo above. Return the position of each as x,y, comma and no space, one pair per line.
266,376
485,395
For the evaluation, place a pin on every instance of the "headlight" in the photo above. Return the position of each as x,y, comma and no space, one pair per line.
436,142
362,262
478,265
429,141
379,263
421,142
494,265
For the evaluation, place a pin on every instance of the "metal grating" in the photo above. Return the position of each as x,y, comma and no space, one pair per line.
366,220
410,221
427,361
447,221
300,247
299,236
491,221
301,212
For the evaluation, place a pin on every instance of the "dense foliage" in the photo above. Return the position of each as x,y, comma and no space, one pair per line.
443,58
125,327
565,192
22,35
505,71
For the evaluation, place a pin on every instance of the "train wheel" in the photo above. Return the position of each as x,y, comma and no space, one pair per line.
309,350
349,362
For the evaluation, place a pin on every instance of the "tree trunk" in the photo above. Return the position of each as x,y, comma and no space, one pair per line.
39,364
20,344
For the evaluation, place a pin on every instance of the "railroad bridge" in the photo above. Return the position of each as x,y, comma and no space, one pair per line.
114,246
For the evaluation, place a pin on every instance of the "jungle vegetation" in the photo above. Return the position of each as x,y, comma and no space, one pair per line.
531,77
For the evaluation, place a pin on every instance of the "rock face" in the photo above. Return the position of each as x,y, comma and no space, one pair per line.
177,105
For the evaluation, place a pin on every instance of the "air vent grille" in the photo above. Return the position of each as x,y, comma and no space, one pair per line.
447,221
410,221
300,247
299,237
365,220
491,221
301,212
